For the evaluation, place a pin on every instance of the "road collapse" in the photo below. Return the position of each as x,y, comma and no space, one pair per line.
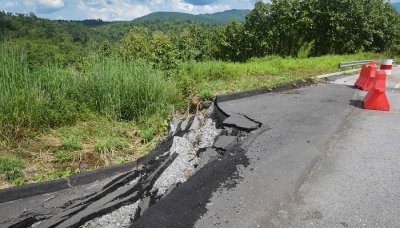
191,145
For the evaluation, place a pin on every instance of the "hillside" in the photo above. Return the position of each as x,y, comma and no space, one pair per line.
215,18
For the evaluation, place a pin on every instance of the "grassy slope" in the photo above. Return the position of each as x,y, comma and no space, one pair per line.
212,78
97,138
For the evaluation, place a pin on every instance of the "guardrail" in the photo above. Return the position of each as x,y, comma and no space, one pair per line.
357,63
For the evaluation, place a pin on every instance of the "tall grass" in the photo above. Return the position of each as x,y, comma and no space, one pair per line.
49,96
207,79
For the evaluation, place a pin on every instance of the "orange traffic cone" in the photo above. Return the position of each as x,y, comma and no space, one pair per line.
376,98
367,81
363,74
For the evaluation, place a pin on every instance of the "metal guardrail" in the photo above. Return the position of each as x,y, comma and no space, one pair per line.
357,63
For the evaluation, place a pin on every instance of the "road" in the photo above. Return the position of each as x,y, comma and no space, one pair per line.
318,160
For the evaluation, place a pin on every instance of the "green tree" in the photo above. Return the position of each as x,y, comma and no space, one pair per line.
230,42
135,44
163,54
257,29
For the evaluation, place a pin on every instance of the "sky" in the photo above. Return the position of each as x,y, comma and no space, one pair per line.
116,10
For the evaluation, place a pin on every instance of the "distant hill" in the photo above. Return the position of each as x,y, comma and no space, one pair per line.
397,6
215,18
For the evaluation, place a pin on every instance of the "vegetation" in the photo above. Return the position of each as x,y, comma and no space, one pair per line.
101,93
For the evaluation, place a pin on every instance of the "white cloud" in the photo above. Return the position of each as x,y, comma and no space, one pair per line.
29,3
118,9
157,2
8,5
115,10
181,6
56,4
49,6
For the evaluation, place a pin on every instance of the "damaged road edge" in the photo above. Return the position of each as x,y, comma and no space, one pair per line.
190,145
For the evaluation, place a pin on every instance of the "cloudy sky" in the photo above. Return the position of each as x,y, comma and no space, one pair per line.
111,10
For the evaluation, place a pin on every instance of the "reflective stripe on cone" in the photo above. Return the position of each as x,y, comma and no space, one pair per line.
387,66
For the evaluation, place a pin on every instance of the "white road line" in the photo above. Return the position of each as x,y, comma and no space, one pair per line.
397,86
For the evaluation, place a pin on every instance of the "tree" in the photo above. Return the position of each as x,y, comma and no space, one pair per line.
257,30
163,53
230,42
135,44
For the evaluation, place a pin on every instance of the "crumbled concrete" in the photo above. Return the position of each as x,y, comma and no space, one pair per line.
189,135
175,172
122,217
223,141
201,135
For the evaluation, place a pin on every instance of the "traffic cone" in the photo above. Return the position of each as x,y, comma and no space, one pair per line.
376,98
363,74
367,81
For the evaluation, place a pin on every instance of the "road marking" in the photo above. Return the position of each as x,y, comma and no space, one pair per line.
397,86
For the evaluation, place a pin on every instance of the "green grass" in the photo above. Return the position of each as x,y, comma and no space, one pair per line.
63,156
72,143
110,145
207,79
11,168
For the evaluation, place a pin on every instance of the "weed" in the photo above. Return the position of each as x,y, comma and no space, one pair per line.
63,156
110,145
62,173
72,143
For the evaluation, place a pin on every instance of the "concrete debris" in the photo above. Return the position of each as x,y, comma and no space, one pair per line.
121,217
202,134
190,135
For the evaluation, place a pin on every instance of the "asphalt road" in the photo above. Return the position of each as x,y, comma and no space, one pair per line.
318,160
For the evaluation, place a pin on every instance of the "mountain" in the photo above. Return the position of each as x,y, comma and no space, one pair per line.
215,18
397,6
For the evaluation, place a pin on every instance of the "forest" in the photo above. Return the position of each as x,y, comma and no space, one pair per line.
78,95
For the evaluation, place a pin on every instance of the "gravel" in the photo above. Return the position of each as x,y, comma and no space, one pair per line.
201,135
122,217
196,132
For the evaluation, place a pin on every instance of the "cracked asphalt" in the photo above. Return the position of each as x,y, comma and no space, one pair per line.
318,160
